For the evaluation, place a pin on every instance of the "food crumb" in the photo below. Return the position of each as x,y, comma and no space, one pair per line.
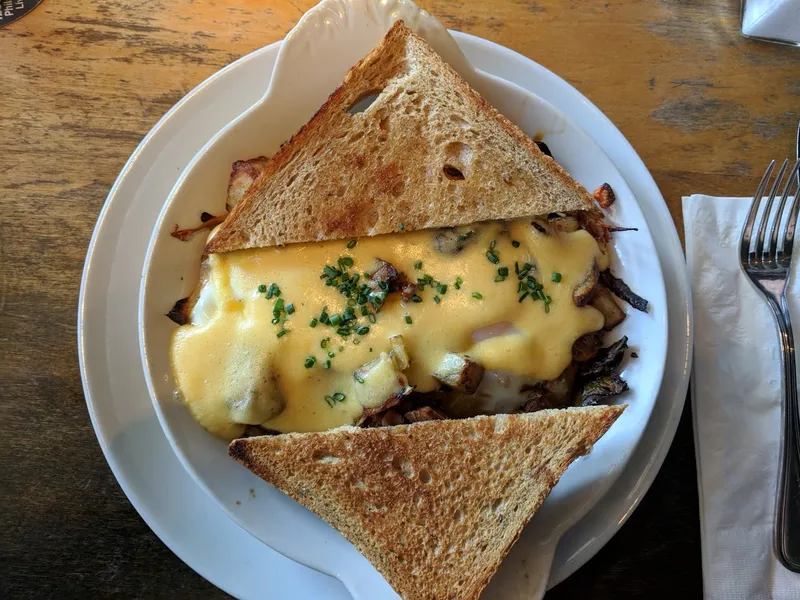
252,493
634,355
238,503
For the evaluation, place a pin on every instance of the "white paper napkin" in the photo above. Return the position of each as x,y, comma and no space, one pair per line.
772,19
736,395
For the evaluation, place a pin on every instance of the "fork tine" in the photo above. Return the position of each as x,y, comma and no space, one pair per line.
788,237
775,254
747,232
762,229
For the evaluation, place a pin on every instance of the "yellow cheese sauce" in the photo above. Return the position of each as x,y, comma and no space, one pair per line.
231,349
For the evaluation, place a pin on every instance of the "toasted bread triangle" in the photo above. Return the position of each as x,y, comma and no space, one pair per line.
428,152
435,506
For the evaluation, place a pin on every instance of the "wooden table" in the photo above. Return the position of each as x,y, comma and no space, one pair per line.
80,84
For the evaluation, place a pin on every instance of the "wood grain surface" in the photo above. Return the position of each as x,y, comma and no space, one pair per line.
82,82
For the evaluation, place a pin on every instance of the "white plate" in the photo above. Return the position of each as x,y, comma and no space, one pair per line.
115,391
322,49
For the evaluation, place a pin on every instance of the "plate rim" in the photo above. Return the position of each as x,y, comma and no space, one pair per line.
85,280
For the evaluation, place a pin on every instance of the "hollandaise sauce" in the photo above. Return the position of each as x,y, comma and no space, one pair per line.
277,335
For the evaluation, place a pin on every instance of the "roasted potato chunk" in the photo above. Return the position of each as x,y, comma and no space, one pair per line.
586,287
381,382
459,372
603,301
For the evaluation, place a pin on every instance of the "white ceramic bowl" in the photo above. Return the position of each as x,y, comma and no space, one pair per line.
311,63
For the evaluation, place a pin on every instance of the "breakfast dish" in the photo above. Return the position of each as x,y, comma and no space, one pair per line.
462,272
413,291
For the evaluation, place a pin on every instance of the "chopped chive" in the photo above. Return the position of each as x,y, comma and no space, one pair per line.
262,288
437,299
278,305
442,288
492,257
516,267
492,245
407,319
326,364
499,278
361,299
555,277
356,341
401,226
341,348
313,323
310,361
465,236
289,309
503,271
364,330
275,320
548,300
416,299
352,244
345,261
364,311
339,397
458,283
331,354
282,333
358,378
329,401
343,331
547,308
335,320
324,343
371,317
418,265
525,295
477,295
515,243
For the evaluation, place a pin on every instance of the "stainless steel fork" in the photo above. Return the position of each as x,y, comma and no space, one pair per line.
765,254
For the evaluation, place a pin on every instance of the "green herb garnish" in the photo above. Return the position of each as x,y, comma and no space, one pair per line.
477,295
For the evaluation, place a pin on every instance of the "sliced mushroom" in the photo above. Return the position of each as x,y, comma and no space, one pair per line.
563,224
598,390
424,413
621,290
603,301
606,360
459,372
454,240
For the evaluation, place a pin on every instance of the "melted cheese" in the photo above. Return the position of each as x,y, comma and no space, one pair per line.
229,360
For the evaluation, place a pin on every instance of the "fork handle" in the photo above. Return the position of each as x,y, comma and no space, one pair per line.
787,514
